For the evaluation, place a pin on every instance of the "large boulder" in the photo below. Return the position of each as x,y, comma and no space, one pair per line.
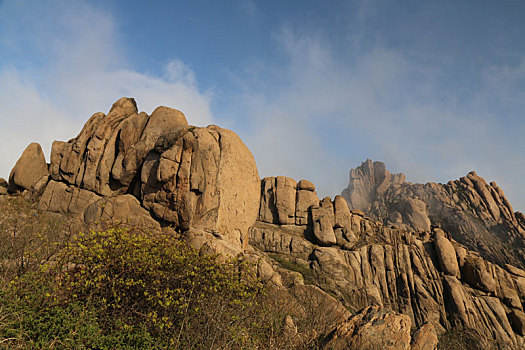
123,209
305,198
425,338
59,197
204,178
414,213
29,168
476,273
372,328
87,160
278,200
446,254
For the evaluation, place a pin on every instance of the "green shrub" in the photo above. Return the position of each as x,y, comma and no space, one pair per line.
123,288
460,339
293,265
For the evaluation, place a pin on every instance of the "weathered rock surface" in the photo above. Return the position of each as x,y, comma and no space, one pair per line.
204,178
425,338
425,275
122,209
29,168
186,176
372,328
59,197
369,181
278,200
446,254
475,213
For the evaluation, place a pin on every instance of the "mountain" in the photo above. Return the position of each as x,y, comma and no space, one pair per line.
475,213
388,264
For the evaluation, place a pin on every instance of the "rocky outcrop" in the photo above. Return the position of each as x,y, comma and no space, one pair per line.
119,209
372,328
59,197
475,213
426,275
368,182
28,170
446,254
203,178
425,338
125,164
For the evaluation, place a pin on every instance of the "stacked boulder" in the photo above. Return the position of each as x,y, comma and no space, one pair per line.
129,166
287,202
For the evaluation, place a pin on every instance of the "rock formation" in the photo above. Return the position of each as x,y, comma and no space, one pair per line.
425,275
149,166
475,213
387,265
29,169
372,328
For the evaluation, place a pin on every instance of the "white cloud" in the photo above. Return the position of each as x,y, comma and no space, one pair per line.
331,114
62,62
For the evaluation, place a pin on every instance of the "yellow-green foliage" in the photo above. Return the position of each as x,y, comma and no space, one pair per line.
121,288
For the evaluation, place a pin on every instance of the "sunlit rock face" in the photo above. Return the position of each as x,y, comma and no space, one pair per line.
186,176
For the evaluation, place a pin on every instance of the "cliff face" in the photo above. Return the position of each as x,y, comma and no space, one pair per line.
475,213
424,259
424,274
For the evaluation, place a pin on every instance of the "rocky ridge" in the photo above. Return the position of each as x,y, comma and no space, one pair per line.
380,283
475,213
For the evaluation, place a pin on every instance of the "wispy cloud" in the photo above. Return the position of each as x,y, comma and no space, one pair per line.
329,114
78,67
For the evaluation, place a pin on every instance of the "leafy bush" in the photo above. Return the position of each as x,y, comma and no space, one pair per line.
122,288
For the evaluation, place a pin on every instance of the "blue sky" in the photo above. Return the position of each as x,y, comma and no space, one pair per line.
432,88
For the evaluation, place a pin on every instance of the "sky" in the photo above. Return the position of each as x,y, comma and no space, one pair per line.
434,89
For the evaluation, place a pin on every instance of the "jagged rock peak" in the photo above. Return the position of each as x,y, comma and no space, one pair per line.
368,182
476,214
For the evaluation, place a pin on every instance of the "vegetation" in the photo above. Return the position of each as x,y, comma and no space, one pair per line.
124,288
459,338
294,265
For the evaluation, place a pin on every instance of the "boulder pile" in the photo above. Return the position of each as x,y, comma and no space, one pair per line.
130,166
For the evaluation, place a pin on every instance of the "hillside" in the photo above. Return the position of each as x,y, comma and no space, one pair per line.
387,265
